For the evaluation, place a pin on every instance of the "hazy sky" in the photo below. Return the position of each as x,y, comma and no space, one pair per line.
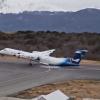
49,5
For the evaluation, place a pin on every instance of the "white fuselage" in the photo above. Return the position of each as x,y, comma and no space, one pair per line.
19,53
44,58
23,54
48,60
63,61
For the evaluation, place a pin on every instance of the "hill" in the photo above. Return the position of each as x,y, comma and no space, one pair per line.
85,20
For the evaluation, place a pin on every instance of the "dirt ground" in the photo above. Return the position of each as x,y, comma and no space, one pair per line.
90,62
77,88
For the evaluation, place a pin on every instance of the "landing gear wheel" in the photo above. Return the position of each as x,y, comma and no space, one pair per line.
30,64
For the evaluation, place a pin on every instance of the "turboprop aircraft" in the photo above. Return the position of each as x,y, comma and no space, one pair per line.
53,61
27,55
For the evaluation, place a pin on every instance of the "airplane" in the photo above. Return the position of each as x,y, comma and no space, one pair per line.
45,58
54,61
26,55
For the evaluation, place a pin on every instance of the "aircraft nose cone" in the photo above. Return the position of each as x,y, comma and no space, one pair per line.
1,52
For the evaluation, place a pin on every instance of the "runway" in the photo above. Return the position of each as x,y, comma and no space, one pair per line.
17,76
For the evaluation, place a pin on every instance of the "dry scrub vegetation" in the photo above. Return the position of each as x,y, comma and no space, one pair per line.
64,43
77,88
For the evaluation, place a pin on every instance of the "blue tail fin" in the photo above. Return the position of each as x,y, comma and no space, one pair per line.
78,56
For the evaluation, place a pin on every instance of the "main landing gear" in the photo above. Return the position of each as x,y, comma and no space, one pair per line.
30,63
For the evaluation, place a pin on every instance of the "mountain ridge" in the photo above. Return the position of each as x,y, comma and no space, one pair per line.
85,20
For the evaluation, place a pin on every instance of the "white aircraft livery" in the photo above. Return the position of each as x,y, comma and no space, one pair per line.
45,58
27,55
75,61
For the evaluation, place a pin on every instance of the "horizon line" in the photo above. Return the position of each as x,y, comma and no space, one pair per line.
49,11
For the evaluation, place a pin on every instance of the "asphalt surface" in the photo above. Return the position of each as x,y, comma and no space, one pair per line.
18,76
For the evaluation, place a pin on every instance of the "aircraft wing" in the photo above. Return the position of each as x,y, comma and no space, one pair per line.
45,53
34,56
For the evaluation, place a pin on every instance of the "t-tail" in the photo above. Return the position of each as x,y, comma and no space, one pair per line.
79,54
